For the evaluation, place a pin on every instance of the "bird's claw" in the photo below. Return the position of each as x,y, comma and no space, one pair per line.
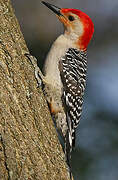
37,71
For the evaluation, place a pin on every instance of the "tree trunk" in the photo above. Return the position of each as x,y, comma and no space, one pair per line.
29,147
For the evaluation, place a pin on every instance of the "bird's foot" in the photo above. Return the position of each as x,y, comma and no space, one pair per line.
38,74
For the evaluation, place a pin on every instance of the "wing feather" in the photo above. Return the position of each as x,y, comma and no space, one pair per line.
73,75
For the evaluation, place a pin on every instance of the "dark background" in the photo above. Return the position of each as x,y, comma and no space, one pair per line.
96,154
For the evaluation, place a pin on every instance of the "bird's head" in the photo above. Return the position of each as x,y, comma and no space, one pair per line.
78,25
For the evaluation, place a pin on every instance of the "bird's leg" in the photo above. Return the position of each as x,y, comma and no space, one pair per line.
38,74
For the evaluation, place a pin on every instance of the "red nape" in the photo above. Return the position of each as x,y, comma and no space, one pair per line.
88,31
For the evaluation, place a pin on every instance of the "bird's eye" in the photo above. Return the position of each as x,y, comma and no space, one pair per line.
71,18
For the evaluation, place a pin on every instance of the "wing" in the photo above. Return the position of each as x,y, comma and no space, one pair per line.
73,75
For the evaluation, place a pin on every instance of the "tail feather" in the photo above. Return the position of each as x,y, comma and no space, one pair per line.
68,150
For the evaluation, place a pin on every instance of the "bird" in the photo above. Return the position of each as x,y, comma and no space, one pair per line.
65,71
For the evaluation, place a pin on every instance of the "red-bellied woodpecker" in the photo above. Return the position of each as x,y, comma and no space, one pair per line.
65,72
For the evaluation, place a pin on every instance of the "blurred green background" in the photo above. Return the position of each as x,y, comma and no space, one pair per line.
96,153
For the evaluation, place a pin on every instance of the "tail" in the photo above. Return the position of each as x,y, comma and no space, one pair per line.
68,150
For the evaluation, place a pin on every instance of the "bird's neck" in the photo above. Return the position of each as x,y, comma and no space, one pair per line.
65,42
57,51
76,41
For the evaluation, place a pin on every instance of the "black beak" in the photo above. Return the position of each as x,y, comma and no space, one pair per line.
54,8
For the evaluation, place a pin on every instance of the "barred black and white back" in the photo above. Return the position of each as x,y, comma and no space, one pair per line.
73,68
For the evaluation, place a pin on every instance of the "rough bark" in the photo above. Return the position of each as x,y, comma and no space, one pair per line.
29,147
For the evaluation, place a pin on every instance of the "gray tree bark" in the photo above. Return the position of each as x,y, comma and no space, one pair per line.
29,147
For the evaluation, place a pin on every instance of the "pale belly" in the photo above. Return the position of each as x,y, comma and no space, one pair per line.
53,95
